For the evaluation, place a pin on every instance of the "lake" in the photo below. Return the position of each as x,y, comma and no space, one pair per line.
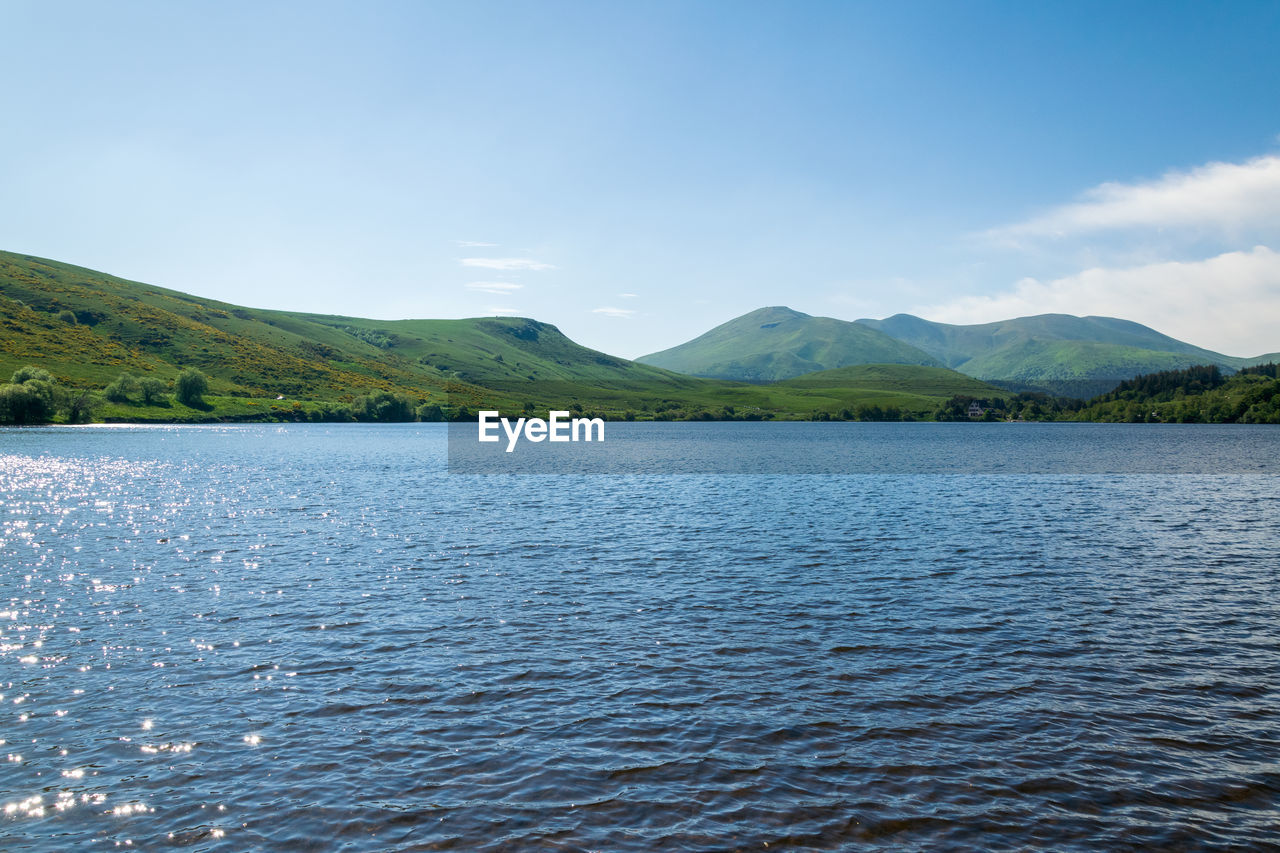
312,637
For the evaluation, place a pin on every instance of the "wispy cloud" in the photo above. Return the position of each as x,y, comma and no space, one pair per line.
505,264
502,312
473,244
628,296
501,288
617,313
1229,303
1216,196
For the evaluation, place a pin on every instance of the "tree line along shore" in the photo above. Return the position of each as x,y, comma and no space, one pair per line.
1202,394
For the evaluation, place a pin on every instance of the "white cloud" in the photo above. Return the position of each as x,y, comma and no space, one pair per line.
618,313
473,244
1229,303
628,296
505,312
501,288
505,264
1216,197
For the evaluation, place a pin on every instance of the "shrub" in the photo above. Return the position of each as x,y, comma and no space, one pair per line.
191,387
379,339
430,412
119,391
153,390
68,317
30,372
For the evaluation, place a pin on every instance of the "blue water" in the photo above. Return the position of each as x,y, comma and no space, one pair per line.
313,638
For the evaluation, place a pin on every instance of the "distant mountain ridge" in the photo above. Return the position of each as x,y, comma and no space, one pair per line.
770,344
1060,353
1079,356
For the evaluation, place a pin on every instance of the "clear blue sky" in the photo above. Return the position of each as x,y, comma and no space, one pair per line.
676,164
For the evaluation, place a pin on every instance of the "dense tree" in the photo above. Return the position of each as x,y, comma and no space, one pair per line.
30,398
1196,395
20,404
430,412
80,406
332,412
1166,383
1269,370
383,406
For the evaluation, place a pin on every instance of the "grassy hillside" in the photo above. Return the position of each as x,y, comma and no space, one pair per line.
86,327
496,352
1076,365
883,391
1065,354
777,343
901,378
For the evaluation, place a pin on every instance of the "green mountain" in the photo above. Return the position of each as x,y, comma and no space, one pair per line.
777,343
1077,356
1072,356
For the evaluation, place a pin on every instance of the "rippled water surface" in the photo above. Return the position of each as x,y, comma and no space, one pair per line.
312,638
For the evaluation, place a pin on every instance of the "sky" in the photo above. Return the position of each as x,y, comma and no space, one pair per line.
636,173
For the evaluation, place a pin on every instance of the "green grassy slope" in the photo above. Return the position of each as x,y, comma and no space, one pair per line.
124,325
499,352
916,390
902,378
1037,362
777,343
148,330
